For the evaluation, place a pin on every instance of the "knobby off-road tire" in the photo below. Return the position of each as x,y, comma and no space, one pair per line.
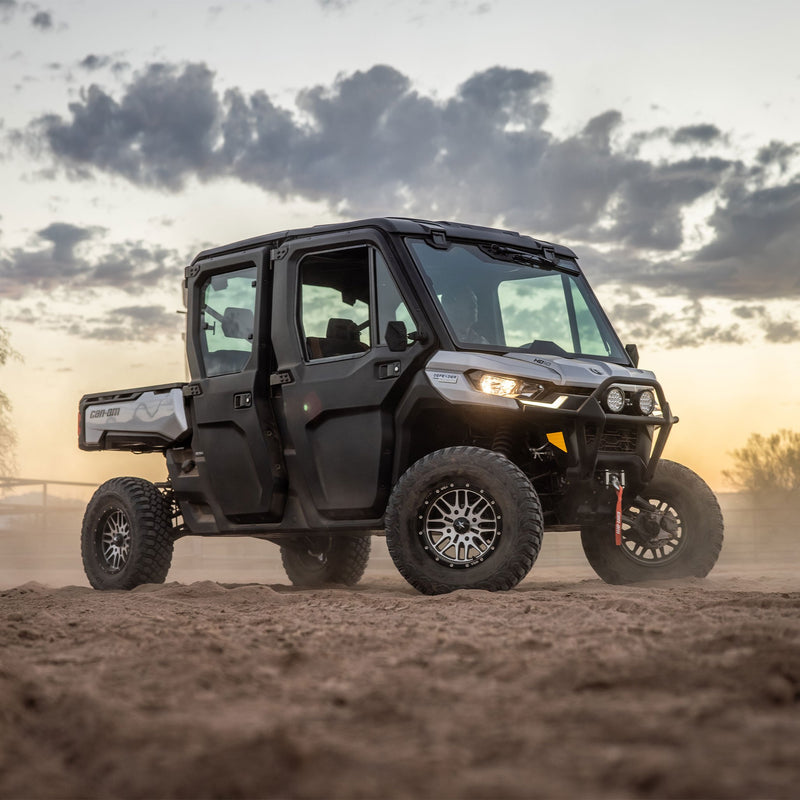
674,529
126,538
329,559
464,518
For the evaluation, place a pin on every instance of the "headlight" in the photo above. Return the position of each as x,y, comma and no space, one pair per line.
615,400
499,385
645,401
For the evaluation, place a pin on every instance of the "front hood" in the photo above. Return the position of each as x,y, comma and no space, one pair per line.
553,369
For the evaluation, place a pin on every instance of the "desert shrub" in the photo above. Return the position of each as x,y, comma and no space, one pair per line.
767,463
8,438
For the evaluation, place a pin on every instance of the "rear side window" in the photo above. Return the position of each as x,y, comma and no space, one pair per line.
227,321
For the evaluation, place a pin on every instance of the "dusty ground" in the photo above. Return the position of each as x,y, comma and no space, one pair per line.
560,688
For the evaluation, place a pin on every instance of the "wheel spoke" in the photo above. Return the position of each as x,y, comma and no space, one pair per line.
460,525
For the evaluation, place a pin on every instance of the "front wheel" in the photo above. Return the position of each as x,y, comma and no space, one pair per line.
126,537
463,518
673,529
315,561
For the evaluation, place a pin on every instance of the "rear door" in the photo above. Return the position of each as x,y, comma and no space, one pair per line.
235,436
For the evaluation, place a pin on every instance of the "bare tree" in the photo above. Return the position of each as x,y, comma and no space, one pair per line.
767,463
8,438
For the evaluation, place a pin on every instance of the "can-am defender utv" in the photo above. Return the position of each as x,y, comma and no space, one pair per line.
456,387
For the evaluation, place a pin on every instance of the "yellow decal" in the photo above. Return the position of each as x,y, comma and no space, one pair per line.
557,440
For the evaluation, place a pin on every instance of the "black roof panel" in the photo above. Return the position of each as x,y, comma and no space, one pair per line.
392,225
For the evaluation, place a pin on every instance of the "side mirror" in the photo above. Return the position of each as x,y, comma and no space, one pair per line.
633,354
396,336
237,323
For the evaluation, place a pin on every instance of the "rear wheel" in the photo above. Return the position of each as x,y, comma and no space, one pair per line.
326,559
126,537
673,529
463,518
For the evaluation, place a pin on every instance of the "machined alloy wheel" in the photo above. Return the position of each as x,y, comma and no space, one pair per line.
460,524
463,518
127,537
114,543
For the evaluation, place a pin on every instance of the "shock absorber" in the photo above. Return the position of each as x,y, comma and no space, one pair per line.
503,441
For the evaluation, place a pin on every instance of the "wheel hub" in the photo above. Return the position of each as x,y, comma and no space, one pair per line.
459,525
652,532
115,540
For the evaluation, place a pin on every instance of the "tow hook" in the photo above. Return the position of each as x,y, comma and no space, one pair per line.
616,481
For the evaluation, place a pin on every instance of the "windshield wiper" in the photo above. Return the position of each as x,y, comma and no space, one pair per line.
545,261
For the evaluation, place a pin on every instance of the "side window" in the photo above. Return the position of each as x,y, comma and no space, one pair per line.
227,321
591,341
391,306
335,303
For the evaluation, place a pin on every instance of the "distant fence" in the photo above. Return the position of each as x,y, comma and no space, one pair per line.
38,499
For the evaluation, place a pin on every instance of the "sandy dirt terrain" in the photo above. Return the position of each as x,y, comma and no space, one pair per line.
564,687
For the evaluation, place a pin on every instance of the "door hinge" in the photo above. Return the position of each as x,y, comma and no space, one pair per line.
280,378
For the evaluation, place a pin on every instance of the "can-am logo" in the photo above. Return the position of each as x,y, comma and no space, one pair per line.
445,377
98,413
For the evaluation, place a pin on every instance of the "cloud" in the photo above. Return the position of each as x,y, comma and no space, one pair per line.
42,20
128,324
371,143
72,261
688,325
161,131
697,134
93,62
7,9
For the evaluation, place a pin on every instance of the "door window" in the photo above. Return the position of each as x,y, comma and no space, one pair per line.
335,303
227,321
346,298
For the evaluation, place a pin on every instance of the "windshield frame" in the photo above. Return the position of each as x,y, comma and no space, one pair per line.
538,261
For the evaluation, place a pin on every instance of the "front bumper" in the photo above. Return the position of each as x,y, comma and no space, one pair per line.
595,441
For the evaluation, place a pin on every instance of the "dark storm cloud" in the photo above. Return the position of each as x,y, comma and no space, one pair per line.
68,261
754,253
42,20
370,142
162,130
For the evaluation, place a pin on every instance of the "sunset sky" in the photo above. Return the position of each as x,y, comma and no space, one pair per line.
659,140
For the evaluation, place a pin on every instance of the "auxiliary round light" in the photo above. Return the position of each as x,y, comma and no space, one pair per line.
615,400
646,402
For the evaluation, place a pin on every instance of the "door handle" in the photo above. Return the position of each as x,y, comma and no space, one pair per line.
388,369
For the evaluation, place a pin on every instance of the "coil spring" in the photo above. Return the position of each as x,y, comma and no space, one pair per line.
503,441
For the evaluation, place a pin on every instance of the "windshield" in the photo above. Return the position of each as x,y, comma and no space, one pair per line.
490,300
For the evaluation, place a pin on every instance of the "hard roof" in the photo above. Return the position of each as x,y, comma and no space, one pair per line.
395,225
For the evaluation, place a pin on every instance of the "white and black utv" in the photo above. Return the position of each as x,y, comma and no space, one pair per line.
457,388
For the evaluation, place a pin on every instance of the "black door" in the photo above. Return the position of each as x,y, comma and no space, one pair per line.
338,410
235,439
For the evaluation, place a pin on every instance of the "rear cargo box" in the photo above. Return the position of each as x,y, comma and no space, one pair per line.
141,420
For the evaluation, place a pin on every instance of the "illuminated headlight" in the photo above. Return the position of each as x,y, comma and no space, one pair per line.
645,402
615,400
499,385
